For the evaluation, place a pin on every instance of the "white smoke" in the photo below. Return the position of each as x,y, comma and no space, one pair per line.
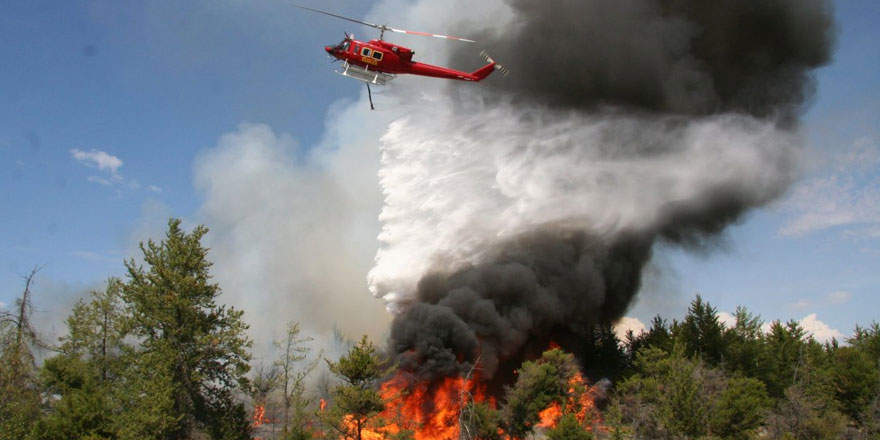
460,177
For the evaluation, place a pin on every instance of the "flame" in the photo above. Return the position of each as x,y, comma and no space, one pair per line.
260,415
430,410
580,401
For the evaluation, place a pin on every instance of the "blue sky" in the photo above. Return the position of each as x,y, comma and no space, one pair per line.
111,108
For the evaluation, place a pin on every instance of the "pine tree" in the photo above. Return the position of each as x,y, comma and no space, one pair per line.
19,394
702,333
744,342
190,344
356,402
81,381
538,384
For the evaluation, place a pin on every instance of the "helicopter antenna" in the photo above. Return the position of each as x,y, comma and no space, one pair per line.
383,27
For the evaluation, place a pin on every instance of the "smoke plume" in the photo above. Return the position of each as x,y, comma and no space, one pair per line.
525,212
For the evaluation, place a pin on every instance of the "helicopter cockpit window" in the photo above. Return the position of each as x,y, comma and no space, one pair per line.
377,55
345,45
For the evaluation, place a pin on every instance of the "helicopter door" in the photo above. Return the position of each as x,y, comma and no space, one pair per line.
368,56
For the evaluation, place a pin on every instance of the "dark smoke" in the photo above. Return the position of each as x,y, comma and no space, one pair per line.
694,57
544,286
668,63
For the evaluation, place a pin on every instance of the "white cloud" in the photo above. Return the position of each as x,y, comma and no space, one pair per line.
727,319
846,196
110,165
627,323
96,158
2,305
839,297
819,330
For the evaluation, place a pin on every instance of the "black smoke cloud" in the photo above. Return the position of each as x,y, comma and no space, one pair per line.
693,57
655,67
542,286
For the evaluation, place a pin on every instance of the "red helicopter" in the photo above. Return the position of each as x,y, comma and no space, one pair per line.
378,61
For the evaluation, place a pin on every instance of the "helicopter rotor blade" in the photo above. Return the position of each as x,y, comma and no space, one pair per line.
339,16
425,34
383,27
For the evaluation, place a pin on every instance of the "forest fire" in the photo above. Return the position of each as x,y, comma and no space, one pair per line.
439,409
259,416
580,401
431,410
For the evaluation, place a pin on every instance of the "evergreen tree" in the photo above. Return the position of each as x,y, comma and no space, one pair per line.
740,409
538,384
480,422
603,355
782,356
190,344
856,381
867,339
19,394
702,333
568,428
744,342
356,402
80,382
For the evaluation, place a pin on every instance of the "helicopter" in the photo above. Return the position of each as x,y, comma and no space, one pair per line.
378,61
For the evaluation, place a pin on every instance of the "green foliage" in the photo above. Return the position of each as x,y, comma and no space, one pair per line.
171,308
867,340
782,355
801,416
19,394
357,399
740,408
568,428
481,421
84,408
743,344
538,384
657,336
683,408
602,353
856,381
702,333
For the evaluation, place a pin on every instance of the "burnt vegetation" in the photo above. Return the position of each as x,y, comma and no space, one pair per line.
154,356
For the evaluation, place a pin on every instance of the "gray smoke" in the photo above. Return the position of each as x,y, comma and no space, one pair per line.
671,56
525,212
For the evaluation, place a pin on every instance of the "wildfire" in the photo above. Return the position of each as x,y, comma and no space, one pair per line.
580,401
430,410
260,415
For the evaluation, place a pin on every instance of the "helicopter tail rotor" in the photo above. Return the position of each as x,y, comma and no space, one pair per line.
485,56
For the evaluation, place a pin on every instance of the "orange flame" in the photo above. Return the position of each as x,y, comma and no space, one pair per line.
580,401
430,410
260,415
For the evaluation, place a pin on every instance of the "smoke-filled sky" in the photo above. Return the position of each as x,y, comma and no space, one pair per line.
228,114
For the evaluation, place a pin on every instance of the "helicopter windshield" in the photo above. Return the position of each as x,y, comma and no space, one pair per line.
345,45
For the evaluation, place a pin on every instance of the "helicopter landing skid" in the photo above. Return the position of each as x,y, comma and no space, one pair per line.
364,74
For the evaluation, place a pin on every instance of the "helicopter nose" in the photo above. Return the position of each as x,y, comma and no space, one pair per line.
329,49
